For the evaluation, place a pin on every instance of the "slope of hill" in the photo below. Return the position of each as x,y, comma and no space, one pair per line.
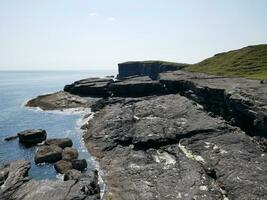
249,62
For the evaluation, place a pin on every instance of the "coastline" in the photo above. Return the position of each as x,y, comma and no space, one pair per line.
177,136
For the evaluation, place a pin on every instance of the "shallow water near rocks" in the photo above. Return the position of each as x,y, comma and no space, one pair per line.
16,87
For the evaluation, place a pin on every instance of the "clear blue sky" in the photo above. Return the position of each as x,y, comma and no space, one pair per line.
98,34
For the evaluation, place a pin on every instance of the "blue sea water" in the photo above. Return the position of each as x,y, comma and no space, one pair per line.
16,87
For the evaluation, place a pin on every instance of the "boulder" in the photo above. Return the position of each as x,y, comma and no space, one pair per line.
135,87
72,174
70,154
48,154
32,136
80,165
63,166
61,142
96,87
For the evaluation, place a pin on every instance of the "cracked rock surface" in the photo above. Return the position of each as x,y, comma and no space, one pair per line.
18,186
168,147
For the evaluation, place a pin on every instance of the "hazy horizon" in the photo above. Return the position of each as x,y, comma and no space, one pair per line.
97,35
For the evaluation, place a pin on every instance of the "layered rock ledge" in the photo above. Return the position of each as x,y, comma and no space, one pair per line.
178,135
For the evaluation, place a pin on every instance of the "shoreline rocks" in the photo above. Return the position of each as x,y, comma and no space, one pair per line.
18,186
188,136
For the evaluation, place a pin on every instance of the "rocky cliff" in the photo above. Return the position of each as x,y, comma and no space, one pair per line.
180,135
147,68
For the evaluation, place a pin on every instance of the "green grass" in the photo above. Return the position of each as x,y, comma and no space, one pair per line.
249,62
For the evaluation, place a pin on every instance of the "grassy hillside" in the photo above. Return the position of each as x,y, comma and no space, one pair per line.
249,62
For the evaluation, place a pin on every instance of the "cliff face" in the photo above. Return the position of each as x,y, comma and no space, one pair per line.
147,68
177,134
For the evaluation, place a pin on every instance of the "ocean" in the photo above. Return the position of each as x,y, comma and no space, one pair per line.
16,88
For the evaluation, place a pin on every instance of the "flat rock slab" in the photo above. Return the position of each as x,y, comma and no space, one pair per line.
90,87
135,87
61,142
48,154
18,186
146,150
60,101
32,136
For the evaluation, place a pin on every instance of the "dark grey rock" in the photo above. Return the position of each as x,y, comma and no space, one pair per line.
32,136
11,138
240,101
63,166
59,101
70,154
90,87
80,165
168,147
48,154
61,142
72,174
147,68
135,87
18,186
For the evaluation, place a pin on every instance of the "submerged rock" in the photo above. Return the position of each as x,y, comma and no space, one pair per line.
48,154
32,136
11,138
61,142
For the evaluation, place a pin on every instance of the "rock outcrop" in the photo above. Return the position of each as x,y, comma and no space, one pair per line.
169,147
90,87
32,136
59,101
178,135
18,186
240,101
147,68
135,87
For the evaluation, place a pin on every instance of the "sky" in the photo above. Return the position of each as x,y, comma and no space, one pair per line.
98,34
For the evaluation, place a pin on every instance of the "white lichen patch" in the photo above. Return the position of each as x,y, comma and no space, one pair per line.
164,158
189,154
203,188
181,121
134,166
